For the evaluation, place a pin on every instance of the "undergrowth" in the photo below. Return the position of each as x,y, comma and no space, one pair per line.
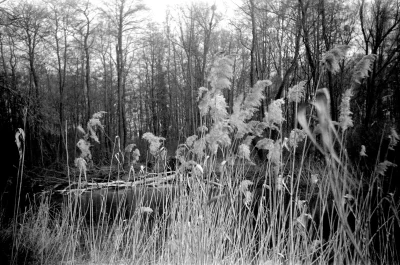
226,208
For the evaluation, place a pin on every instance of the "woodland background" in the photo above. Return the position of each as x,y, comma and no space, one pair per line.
63,60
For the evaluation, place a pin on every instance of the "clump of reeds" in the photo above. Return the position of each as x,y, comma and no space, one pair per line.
301,212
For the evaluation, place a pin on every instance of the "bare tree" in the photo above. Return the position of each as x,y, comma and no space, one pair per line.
61,16
124,17
31,29
86,27
380,22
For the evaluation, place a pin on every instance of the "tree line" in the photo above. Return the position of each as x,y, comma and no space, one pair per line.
63,60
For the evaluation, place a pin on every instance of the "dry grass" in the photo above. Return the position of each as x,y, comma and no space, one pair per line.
302,210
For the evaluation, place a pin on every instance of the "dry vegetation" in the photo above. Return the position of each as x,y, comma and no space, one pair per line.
306,204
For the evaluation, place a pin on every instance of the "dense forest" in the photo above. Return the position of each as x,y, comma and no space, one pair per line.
105,72
62,61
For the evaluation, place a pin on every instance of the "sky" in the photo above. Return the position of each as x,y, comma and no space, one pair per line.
158,7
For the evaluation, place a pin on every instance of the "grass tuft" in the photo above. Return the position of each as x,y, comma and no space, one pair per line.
225,207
